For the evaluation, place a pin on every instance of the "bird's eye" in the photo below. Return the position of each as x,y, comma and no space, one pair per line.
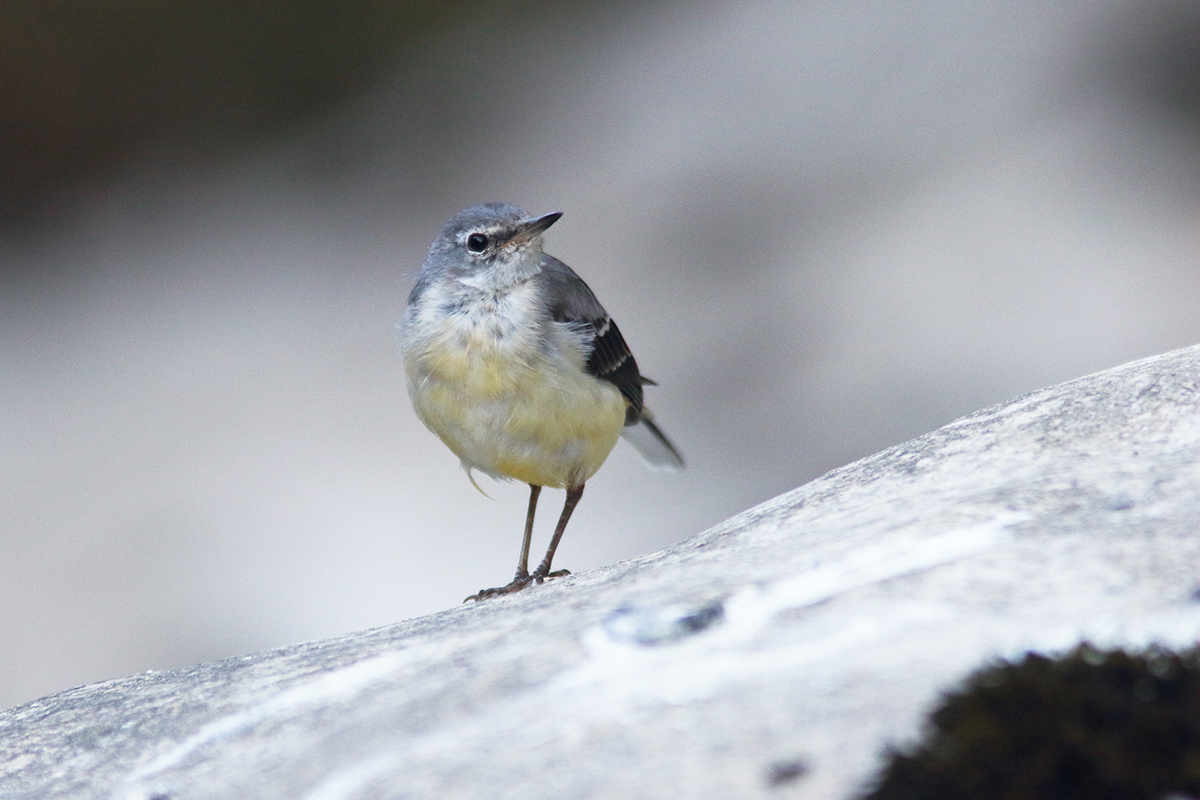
477,242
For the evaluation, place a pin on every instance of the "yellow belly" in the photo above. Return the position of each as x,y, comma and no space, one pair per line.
534,420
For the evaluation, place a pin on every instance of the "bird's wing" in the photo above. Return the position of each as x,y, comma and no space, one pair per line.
571,301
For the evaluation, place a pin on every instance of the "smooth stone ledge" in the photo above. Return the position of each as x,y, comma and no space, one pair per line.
775,655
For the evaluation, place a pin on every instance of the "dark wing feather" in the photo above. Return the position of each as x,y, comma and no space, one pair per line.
572,301
611,360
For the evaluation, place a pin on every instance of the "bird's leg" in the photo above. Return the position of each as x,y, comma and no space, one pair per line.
543,570
523,563
521,579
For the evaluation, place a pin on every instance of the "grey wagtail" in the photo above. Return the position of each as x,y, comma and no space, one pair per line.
515,365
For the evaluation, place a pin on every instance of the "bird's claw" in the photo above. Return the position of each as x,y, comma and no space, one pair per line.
517,585
483,594
558,573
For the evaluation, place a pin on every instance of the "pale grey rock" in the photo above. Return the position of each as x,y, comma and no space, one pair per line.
775,655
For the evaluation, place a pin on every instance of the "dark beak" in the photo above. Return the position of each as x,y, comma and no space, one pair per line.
535,227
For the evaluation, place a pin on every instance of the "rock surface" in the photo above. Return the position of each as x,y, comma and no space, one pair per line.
775,655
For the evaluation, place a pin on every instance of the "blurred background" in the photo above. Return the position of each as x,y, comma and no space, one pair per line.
824,228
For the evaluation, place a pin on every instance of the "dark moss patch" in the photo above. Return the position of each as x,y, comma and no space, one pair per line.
1089,724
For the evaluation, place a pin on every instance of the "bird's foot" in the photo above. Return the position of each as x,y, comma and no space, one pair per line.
538,576
518,583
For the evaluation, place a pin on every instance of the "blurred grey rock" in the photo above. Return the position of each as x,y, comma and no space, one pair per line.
774,655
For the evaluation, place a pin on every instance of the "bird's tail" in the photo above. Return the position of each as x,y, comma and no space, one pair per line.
652,444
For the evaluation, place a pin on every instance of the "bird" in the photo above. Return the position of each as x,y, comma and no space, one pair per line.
514,364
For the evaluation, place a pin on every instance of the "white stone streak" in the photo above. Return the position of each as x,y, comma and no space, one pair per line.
321,688
619,673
